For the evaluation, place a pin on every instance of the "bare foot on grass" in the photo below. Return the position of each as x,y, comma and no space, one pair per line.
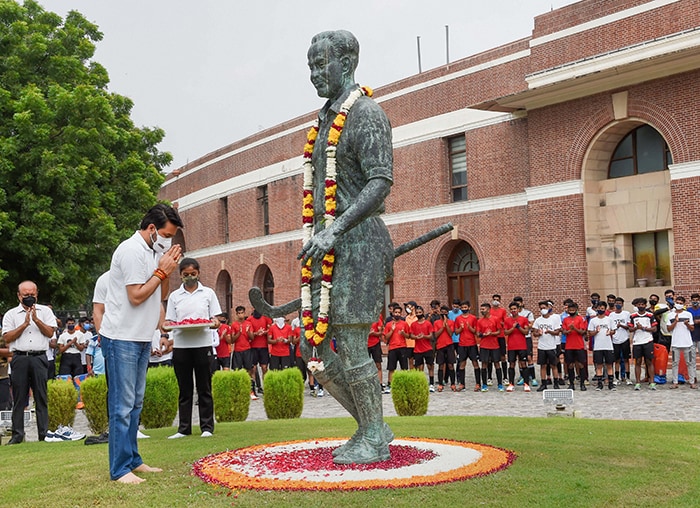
145,468
130,478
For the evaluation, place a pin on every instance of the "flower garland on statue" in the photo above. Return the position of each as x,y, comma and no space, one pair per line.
316,334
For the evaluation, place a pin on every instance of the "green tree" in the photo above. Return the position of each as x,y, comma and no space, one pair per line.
76,175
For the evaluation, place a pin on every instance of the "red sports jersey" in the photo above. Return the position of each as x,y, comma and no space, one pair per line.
223,350
258,324
574,340
281,348
424,328
242,343
466,337
485,325
373,340
396,340
444,337
499,314
516,339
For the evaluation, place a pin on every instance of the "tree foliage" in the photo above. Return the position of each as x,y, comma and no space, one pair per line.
76,175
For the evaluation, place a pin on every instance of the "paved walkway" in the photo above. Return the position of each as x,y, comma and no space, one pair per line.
663,404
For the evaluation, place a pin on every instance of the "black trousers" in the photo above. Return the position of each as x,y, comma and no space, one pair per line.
185,362
29,372
70,364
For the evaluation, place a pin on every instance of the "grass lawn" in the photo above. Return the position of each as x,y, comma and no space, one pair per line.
561,462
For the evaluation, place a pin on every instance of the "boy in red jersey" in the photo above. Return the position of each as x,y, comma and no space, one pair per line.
499,313
443,329
241,337
260,325
223,350
465,326
515,327
395,334
279,337
374,346
487,331
575,328
422,333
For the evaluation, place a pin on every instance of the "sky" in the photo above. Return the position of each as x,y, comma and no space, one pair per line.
211,72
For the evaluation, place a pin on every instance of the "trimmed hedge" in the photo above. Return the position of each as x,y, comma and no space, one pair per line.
230,390
94,394
160,399
62,398
284,394
409,391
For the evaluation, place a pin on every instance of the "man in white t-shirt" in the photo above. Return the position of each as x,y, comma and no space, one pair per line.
643,325
620,320
70,344
681,324
140,265
546,328
600,328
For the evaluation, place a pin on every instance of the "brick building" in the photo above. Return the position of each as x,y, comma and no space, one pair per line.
568,161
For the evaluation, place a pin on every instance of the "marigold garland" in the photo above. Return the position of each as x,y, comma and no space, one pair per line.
220,468
316,334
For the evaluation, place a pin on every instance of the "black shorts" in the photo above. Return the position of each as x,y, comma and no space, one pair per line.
528,341
280,362
420,358
243,359
487,356
604,356
397,355
261,355
446,355
465,353
224,362
575,355
547,357
622,350
502,346
375,353
517,354
645,351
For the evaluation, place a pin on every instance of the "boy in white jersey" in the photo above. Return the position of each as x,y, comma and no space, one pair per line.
643,325
681,324
546,328
601,329
621,341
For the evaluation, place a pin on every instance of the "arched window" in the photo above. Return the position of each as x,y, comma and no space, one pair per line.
641,151
268,288
463,274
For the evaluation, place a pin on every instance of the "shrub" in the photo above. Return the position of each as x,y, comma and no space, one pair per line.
94,394
231,392
284,394
62,398
409,391
160,399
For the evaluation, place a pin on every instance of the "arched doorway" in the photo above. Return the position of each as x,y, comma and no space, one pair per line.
224,291
266,282
463,274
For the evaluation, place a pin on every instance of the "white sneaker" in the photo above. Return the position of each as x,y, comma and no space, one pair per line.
628,382
206,433
253,396
66,433
320,393
489,382
431,389
141,435
177,435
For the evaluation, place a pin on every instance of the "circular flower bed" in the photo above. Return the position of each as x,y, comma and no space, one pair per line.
308,465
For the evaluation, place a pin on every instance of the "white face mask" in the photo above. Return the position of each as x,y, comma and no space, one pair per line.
544,312
679,306
279,322
161,245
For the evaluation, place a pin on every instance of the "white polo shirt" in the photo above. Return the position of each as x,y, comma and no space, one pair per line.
133,262
101,286
680,335
202,303
31,338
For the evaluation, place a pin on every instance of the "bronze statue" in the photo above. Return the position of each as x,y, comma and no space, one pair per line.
349,228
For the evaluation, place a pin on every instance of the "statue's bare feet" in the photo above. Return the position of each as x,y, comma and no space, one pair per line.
145,468
130,478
